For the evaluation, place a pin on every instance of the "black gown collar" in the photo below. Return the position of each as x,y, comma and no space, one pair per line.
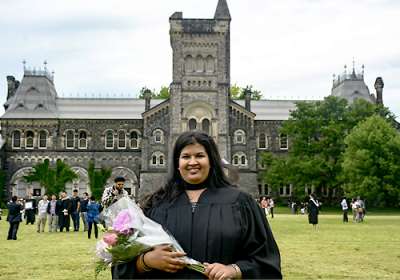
194,187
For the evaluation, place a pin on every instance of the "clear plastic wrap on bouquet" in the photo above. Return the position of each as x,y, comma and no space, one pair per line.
129,233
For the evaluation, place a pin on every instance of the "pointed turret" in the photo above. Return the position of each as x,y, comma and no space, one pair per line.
222,11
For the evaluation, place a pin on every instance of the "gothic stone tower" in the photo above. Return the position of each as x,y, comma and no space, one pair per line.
201,76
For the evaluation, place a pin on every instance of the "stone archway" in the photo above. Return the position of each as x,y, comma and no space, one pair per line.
81,183
20,187
131,181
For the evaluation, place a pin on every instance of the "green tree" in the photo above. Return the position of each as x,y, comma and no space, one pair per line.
52,179
2,188
239,93
371,162
316,131
162,94
98,179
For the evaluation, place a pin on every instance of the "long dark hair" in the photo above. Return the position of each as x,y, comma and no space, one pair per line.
175,184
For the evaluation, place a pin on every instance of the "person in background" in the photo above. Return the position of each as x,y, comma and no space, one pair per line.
14,217
93,210
65,212
213,221
313,210
75,207
264,205
271,205
53,211
345,209
30,206
113,193
42,214
83,208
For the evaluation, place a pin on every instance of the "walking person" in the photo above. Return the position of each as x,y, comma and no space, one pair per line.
75,207
264,205
14,217
83,208
345,209
42,214
271,205
313,210
93,210
53,211
214,222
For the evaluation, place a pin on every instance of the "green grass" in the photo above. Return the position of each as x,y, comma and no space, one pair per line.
370,250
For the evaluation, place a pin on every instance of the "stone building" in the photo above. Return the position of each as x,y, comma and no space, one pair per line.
134,136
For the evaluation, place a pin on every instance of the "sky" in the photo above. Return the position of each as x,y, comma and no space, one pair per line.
287,49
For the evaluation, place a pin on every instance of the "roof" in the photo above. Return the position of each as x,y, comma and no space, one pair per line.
271,109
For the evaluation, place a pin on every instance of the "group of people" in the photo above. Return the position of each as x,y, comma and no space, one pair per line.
56,213
267,204
357,206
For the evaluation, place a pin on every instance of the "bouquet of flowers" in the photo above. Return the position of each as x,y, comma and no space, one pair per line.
130,233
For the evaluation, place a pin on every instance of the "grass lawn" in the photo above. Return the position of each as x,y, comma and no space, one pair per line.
370,250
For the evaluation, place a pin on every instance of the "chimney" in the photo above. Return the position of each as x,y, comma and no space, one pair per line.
379,89
147,99
247,98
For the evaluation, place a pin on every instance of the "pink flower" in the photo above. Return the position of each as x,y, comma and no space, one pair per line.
123,222
110,238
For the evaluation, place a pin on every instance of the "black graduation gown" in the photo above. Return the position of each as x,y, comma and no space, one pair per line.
227,227
313,211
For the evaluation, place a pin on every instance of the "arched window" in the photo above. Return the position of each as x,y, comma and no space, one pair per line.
69,139
161,160
158,136
121,140
154,160
262,141
29,139
82,140
199,64
43,139
16,139
134,140
192,124
283,142
189,61
239,137
109,139
209,64
205,125
240,159
157,159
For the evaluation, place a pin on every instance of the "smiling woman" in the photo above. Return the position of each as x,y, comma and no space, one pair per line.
214,222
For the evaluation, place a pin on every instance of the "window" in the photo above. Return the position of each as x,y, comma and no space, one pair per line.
157,159
158,135
240,159
134,140
192,124
283,142
109,139
29,139
69,139
259,189
82,140
121,140
205,125
262,141
209,64
199,64
16,139
189,61
239,137
42,139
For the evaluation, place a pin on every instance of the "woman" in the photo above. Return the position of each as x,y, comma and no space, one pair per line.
313,211
215,223
92,216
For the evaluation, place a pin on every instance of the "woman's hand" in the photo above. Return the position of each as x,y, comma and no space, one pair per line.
218,271
163,258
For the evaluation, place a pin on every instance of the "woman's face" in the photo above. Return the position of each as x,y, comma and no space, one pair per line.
194,164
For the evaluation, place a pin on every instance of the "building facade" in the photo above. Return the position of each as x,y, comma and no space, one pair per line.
135,136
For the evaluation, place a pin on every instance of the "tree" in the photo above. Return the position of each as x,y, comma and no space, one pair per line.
317,131
98,179
239,93
52,179
162,94
371,162
2,188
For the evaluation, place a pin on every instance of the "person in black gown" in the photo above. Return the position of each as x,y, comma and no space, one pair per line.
313,210
215,223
